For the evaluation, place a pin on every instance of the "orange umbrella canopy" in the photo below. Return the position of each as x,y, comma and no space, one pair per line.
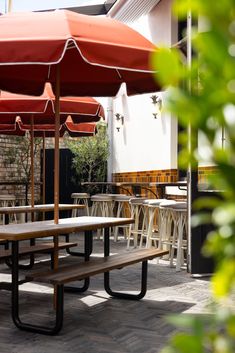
95,54
82,109
48,130
79,55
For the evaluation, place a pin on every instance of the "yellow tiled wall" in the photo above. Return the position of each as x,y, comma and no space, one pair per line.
165,175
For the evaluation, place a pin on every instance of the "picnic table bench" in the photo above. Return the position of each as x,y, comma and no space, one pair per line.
60,276
42,247
63,275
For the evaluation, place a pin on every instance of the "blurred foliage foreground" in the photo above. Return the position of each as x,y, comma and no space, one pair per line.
203,95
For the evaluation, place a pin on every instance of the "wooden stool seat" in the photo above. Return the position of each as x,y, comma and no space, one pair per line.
83,199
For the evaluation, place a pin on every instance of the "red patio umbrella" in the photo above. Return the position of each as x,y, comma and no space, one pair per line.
81,109
96,54
40,112
80,55
46,130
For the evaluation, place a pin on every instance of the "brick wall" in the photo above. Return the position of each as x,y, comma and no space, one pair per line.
9,170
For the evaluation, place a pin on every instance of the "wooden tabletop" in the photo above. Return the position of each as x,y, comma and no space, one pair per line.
42,229
137,183
38,208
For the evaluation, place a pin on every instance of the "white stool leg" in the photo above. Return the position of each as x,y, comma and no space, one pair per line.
150,228
181,247
74,211
175,220
145,226
119,212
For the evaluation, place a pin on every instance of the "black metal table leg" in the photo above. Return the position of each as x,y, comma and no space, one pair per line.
15,301
106,242
31,263
88,245
6,245
122,295
8,262
77,253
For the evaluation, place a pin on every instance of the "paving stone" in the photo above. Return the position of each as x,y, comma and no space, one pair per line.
96,323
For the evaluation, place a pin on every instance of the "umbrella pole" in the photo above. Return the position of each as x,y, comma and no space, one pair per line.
57,151
43,172
32,162
56,173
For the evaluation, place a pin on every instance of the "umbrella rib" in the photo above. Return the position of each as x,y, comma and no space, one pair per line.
120,76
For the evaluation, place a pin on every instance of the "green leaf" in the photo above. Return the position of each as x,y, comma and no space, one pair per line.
168,66
224,214
231,326
186,343
224,278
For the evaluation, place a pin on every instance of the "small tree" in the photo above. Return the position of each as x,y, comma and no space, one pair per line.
90,156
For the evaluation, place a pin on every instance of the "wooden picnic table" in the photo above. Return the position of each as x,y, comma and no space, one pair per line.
23,231
62,275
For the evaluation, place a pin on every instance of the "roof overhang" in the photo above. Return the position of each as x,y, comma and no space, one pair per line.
131,10
101,8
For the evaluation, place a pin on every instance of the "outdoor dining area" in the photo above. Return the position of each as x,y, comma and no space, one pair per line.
78,270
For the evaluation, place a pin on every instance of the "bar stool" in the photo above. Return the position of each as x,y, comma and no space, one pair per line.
137,211
123,210
102,206
80,198
20,201
180,233
165,224
150,230
8,201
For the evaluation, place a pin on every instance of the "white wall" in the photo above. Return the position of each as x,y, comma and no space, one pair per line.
145,143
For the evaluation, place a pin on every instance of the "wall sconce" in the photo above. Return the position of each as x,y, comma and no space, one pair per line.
157,105
120,121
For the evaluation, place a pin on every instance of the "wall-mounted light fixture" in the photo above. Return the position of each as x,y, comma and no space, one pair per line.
157,105
119,120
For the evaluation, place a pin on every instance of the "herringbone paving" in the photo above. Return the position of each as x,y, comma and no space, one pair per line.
96,323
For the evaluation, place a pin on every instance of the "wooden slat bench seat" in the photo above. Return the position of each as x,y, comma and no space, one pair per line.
59,277
71,273
42,247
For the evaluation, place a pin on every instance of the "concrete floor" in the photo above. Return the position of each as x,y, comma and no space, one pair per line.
94,322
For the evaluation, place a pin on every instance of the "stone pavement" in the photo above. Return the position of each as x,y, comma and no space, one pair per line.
96,323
